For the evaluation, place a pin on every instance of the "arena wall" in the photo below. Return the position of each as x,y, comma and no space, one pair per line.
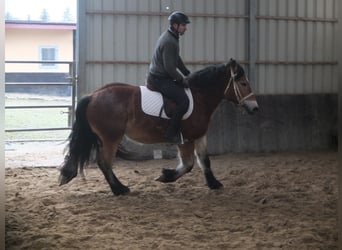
288,48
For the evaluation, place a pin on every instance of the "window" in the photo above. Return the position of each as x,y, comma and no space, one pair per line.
48,53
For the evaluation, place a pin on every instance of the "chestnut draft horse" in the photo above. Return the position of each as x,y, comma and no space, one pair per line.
110,112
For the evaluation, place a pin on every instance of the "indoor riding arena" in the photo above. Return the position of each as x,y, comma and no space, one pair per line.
278,167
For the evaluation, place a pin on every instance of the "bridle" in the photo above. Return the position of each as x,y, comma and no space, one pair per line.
237,91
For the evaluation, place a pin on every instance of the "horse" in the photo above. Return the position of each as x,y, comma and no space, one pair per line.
114,110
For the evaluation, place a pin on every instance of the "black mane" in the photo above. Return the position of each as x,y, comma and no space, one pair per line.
207,77
210,76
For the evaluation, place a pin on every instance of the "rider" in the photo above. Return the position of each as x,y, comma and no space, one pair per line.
164,76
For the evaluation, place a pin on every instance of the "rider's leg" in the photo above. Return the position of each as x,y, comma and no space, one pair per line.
182,103
176,93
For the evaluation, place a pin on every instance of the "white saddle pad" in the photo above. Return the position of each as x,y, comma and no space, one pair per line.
152,102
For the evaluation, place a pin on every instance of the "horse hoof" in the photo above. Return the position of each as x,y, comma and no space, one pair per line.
168,175
64,180
160,179
121,190
215,185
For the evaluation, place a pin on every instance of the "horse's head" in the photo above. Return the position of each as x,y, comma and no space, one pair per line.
238,89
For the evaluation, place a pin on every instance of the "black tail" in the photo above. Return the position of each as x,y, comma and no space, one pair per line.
82,142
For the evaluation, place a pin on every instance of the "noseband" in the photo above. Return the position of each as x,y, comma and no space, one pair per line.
237,91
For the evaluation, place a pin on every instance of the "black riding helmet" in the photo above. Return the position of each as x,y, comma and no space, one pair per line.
178,18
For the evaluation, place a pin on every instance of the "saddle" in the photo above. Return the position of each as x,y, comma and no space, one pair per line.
155,104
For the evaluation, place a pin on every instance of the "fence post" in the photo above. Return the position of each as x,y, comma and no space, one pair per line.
73,94
2,126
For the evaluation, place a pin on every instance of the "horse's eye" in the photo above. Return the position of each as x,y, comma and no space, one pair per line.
243,84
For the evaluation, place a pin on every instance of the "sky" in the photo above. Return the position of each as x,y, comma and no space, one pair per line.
32,9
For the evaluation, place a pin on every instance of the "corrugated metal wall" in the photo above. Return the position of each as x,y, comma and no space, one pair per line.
289,44
117,37
116,41
296,46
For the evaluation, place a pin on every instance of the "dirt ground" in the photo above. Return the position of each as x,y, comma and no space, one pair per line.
269,201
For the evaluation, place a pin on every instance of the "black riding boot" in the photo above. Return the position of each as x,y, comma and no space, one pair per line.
173,133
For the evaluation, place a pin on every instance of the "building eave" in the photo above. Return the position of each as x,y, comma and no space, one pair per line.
39,25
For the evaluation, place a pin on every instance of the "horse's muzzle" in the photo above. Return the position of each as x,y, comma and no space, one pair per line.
251,106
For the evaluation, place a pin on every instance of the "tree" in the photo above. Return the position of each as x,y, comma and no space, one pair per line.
44,16
8,16
67,16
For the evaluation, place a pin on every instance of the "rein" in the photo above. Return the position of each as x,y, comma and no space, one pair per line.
237,92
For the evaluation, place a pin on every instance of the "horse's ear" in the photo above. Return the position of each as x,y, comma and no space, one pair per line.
231,64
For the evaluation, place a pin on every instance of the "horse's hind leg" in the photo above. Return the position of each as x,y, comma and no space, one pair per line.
186,163
204,163
106,154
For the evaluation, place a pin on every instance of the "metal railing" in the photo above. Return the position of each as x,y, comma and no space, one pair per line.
71,80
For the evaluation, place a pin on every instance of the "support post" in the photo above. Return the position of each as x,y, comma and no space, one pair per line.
252,42
339,57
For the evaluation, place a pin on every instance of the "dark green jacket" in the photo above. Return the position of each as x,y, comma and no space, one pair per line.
166,59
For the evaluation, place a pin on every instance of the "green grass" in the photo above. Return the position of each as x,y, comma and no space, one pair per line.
36,118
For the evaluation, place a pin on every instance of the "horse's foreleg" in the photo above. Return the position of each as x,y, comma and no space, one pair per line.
204,163
106,154
186,163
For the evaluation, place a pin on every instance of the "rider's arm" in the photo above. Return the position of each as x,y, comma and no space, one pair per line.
182,67
170,61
